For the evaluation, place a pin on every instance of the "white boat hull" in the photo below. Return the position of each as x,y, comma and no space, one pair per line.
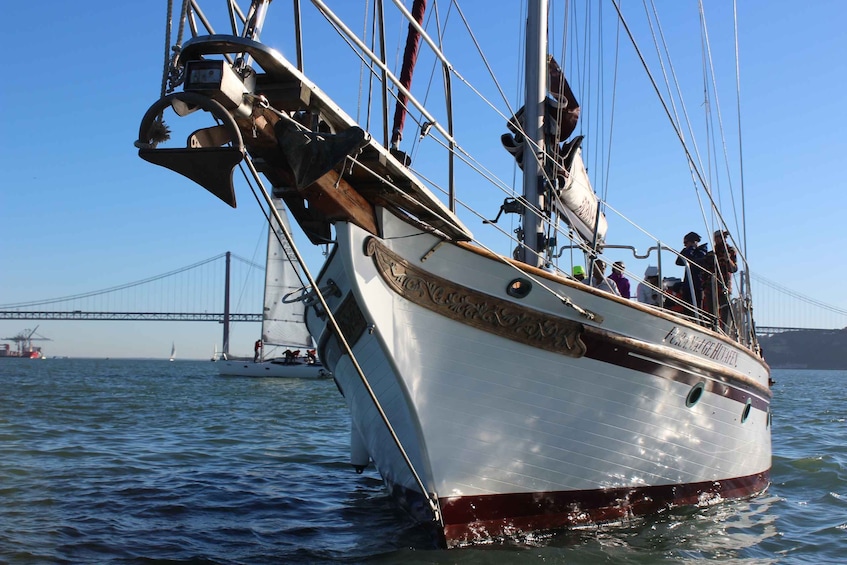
273,368
511,436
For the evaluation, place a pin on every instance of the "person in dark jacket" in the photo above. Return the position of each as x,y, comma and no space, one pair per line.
692,254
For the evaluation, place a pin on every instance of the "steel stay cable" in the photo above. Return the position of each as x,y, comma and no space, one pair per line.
342,339
689,156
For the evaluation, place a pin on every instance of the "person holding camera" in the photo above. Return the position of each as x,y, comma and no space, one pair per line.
718,266
692,254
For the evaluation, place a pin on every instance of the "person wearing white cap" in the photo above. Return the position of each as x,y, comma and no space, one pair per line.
650,293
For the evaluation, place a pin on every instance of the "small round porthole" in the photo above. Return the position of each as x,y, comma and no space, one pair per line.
746,414
695,394
519,288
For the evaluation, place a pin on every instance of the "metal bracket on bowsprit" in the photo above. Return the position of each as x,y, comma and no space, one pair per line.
211,154
509,206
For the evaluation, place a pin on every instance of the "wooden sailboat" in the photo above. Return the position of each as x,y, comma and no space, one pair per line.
496,395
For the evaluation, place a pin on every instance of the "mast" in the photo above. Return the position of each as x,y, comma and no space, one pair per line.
536,91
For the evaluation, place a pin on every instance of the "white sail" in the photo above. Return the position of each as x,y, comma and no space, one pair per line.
283,325
579,205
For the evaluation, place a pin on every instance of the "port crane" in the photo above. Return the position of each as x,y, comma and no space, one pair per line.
23,342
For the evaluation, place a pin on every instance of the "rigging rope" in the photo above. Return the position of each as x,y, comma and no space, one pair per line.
166,65
339,335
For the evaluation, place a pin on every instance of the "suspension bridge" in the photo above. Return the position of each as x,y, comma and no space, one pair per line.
228,288
223,289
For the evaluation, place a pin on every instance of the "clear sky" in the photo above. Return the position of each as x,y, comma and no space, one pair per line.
80,211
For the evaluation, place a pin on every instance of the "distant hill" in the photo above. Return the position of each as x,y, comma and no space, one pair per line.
806,349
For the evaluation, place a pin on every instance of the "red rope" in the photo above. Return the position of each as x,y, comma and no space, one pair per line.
410,57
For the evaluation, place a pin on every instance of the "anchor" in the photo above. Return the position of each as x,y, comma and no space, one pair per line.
206,159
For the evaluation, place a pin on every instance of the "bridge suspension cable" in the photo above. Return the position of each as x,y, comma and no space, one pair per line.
780,306
128,285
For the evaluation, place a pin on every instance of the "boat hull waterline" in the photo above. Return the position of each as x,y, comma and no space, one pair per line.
640,412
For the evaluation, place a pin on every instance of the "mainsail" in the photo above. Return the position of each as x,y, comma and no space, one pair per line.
283,324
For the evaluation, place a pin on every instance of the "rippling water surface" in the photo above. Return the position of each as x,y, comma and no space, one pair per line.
120,461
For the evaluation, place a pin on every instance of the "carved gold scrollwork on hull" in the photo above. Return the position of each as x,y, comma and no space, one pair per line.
477,309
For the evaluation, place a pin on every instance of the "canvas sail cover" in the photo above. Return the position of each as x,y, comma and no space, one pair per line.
573,197
283,324
578,204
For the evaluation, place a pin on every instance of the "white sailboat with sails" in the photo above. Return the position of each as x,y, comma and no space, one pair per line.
286,348
496,395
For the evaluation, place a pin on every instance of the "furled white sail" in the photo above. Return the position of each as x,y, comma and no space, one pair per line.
579,205
283,324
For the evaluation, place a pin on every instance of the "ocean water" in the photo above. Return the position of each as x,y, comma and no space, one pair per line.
121,461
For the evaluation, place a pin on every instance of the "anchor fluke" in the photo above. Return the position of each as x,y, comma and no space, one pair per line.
310,155
206,159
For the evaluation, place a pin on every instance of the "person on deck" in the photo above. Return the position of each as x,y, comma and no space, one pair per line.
692,254
648,292
718,265
620,281
579,273
599,280
257,348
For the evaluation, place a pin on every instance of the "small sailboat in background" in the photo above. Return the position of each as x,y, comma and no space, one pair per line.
215,354
286,348
173,352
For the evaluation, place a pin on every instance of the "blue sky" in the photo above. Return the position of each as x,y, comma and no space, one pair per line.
80,211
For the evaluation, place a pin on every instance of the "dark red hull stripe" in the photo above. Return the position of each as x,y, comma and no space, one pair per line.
473,518
602,348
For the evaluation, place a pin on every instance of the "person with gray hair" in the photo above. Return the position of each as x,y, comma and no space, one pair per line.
599,280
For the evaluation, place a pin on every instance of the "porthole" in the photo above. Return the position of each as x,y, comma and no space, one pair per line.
695,394
519,288
769,419
746,414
